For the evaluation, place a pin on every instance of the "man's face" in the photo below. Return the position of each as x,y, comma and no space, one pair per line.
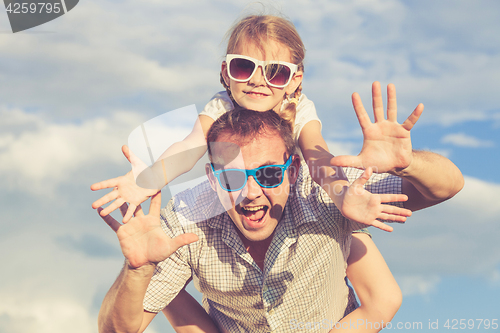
255,211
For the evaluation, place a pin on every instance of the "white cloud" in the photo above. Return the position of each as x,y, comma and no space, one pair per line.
417,284
464,140
103,54
495,277
461,116
443,152
84,84
169,54
479,198
455,237
44,316
432,63
46,288
50,289
38,155
338,148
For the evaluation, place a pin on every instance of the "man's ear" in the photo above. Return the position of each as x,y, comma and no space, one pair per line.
293,169
294,83
211,178
225,76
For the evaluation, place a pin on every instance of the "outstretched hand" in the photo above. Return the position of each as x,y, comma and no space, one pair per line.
359,205
386,144
125,190
142,239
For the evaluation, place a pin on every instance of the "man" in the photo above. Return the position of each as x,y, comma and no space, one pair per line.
279,252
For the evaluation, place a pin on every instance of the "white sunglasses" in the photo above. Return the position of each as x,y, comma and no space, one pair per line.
276,73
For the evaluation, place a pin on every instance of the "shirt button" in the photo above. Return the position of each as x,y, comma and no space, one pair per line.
264,289
271,312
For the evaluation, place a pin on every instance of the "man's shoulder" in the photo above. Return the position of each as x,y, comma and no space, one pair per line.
309,202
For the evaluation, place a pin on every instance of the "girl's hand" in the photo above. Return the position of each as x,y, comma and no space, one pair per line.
125,190
142,239
362,206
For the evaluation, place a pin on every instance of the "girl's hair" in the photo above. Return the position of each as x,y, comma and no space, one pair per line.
259,29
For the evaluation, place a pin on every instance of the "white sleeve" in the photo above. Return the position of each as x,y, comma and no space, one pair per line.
306,111
218,105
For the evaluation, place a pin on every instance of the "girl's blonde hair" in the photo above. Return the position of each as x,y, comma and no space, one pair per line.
259,29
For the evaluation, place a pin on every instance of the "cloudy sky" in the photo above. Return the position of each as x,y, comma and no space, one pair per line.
72,90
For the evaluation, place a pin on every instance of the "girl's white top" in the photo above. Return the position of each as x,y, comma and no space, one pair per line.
306,111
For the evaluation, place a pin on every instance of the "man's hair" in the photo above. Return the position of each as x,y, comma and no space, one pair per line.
243,125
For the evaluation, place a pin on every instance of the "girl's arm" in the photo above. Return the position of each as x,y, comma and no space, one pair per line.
180,157
378,291
176,160
317,156
352,200
186,315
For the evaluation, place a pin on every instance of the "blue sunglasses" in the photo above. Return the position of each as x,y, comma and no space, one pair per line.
267,176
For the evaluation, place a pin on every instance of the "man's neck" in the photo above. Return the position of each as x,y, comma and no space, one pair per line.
257,249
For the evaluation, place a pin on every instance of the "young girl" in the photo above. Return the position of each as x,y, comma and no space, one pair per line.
263,71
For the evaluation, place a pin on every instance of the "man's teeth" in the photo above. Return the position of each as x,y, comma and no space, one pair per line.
253,209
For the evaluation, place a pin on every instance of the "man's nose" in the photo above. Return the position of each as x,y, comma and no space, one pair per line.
252,190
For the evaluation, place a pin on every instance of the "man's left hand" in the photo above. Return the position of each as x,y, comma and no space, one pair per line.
386,144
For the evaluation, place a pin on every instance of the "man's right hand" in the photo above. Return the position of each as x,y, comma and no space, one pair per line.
142,239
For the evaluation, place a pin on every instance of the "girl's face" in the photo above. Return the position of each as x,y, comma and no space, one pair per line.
256,94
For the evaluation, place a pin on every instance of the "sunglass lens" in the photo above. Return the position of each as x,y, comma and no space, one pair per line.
232,180
277,74
269,177
241,69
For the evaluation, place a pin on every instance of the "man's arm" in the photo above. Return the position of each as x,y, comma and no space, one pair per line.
144,244
376,288
186,315
428,178
122,308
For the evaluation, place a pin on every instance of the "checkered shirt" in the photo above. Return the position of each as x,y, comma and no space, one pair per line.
303,285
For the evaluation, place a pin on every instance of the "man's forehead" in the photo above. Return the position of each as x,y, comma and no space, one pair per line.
241,141
224,152
229,148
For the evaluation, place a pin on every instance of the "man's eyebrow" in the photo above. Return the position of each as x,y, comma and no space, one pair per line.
271,163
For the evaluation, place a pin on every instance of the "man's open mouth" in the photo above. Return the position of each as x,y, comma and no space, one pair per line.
254,213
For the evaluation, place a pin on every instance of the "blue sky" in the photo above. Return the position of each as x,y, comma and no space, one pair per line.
73,89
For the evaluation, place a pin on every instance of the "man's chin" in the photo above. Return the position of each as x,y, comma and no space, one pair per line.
256,233
256,236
